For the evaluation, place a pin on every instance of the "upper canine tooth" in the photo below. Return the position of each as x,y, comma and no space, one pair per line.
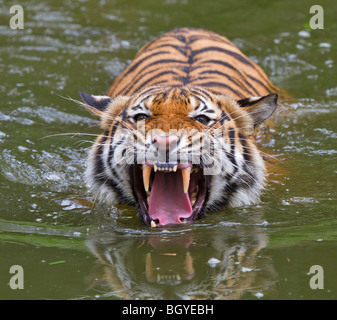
186,173
175,168
146,176
155,168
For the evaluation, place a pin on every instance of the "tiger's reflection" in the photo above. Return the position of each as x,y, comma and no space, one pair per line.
184,266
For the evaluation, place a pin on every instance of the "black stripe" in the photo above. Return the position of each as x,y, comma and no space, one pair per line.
135,65
236,81
180,49
230,189
225,64
137,107
258,81
235,55
149,92
231,156
165,61
220,84
99,165
129,87
148,44
99,175
112,149
149,65
200,91
246,153
163,81
183,92
224,116
185,80
211,36
226,194
143,84
198,98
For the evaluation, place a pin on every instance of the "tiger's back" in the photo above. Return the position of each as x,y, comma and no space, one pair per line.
193,57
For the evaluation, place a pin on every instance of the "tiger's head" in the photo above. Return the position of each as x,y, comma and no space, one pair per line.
177,153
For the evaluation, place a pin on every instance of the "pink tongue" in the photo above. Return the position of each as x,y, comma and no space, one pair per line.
168,202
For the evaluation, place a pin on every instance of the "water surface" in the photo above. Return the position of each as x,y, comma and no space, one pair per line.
70,249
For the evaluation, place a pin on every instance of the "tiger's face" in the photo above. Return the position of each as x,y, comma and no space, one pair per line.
177,153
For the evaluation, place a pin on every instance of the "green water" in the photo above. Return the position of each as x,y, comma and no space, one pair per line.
71,250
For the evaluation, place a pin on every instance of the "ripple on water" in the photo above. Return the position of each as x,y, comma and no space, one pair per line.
48,169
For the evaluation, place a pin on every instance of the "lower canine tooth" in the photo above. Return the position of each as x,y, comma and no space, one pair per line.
153,224
194,195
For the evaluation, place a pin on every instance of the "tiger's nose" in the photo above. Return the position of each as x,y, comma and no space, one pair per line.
164,142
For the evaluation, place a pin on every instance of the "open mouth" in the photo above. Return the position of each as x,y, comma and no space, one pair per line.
170,193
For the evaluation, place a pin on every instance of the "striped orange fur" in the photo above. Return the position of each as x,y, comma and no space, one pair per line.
193,57
178,126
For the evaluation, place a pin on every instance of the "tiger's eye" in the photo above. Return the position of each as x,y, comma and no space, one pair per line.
202,119
140,117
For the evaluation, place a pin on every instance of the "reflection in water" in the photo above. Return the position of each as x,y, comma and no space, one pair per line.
222,262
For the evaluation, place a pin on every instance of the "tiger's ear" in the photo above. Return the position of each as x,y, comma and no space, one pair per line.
260,108
96,104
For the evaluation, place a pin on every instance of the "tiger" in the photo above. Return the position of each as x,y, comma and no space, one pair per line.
157,266
179,128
